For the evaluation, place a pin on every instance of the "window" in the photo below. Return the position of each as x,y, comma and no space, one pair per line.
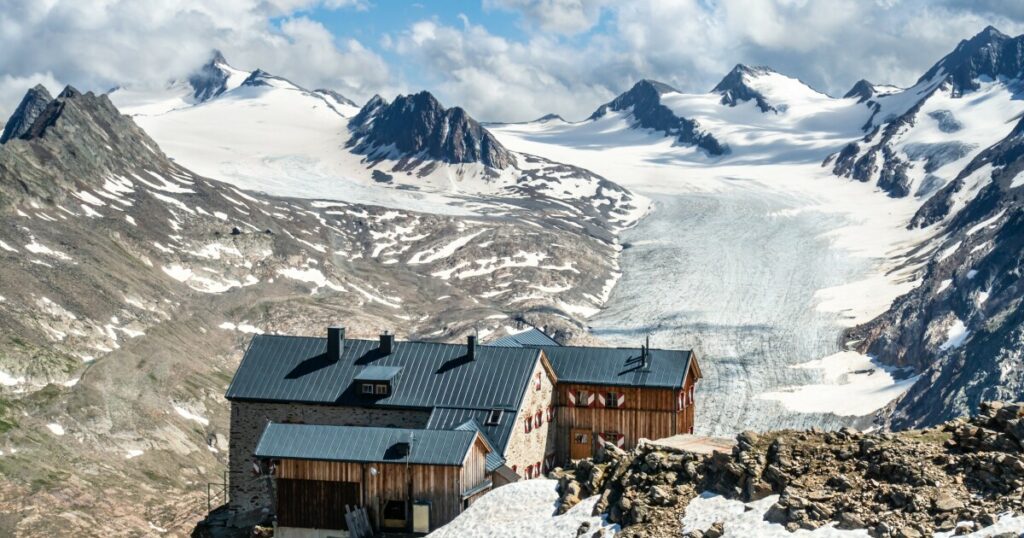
581,439
537,385
611,399
538,419
529,424
579,398
367,388
494,417
382,388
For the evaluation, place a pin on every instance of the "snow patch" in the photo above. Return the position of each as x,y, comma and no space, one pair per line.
853,385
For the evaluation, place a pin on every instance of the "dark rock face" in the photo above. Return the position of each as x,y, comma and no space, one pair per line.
973,278
258,78
549,117
644,99
734,88
874,154
70,134
862,91
31,106
418,125
991,54
337,97
211,79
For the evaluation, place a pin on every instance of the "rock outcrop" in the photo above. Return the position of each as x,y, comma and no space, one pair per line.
914,483
417,125
735,87
643,101
31,106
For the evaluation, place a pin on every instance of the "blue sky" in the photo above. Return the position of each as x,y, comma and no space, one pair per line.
502,60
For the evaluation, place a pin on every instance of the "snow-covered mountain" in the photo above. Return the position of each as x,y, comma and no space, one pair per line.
271,135
937,214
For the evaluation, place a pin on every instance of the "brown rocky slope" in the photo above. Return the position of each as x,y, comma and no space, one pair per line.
958,476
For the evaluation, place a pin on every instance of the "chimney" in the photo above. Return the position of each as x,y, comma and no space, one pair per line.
471,347
335,343
387,343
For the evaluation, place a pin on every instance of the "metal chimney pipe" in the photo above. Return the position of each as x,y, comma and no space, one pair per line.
471,346
387,343
335,343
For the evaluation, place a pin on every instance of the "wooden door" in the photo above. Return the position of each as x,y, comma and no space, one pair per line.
315,504
581,444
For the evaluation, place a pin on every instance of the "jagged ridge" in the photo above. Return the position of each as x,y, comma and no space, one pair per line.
419,125
735,90
31,106
643,100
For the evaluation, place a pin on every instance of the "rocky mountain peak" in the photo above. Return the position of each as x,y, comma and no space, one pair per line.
549,117
643,101
71,132
862,91
735,87
211,79
31,106
644,95
419,125
990,53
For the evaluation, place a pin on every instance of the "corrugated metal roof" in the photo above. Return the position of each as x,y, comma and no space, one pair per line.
618,366
378,373
532,337
363,444
296,369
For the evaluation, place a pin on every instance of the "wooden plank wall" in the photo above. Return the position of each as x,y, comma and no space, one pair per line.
474,469
442,485
646,413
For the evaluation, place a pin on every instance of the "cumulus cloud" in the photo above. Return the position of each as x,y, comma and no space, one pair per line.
690,44
98,44
560,16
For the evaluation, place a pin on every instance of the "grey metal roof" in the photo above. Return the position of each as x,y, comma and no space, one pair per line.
296,369
441,418
618,366
364,444
378,373
532,337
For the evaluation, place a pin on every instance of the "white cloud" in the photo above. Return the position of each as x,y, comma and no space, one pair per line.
99,44
561,16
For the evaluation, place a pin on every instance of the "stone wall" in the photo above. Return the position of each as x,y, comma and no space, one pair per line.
248,419
526,449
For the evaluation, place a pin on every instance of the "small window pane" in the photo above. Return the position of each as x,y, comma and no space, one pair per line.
367,388
382,389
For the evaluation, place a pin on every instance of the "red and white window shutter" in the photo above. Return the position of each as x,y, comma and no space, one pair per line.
614,438
538,419
601,399
571,398
528,424
538,376
551,413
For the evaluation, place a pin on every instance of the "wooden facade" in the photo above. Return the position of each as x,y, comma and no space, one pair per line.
589,414
329,485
